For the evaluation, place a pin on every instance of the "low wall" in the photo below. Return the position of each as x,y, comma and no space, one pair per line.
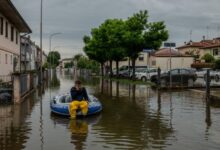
24,83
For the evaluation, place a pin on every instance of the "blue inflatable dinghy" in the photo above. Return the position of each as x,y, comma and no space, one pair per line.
60,105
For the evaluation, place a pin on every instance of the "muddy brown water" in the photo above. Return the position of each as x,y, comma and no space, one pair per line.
133,117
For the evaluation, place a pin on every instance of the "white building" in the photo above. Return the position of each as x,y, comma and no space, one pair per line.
11,25
165,56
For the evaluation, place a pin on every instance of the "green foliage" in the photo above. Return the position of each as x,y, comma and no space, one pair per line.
45,65
208,58
68,65
116,39
77,57
217,63
85,63
53,59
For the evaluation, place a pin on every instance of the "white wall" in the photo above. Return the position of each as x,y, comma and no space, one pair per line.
8,47
138,62
176,62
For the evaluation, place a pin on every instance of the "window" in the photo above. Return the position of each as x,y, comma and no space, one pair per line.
183,71
11,59
0,58
16,37
12,33
1,25
215,52
141,58
6,58
175,72
6,29
153,62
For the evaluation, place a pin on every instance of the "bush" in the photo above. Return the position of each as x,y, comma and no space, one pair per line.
208,58
202,65
217,64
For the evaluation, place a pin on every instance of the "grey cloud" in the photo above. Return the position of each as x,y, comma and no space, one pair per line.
75,18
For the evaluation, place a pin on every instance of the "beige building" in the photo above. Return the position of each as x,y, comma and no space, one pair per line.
11,25
201,48
164,56
65,61
142,60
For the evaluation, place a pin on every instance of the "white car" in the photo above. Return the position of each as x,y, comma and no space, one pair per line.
146,74
214,74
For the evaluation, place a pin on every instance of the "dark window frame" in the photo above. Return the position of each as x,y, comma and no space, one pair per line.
12,33
6,29
2,25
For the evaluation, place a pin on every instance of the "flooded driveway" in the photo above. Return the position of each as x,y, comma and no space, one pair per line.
134,117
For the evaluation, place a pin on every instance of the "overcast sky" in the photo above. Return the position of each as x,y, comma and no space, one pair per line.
75,18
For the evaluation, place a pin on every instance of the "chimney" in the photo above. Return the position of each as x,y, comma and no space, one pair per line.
203,37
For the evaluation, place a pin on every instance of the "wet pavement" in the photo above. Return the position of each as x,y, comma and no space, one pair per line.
134,117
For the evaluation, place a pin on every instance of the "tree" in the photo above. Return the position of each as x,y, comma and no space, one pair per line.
115,30
140,34
95,49
53,59
208,58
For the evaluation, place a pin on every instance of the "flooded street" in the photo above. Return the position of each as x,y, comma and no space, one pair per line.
133,117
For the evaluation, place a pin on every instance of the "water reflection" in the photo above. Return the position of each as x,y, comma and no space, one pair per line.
55,81
134,117
14,128
78,129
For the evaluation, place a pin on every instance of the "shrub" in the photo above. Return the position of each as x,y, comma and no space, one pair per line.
208,58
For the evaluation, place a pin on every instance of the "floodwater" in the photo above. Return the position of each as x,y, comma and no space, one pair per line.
134,117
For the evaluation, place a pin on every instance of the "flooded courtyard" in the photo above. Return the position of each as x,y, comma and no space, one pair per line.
133,117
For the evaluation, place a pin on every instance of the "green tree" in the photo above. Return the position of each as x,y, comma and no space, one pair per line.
208,58
95,49
140,34
53,59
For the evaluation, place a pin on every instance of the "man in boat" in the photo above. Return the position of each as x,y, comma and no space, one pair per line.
79,100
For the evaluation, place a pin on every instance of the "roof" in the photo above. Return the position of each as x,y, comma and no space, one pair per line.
212,46
167,52
12,14
201,44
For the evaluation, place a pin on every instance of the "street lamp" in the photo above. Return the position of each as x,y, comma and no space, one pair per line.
51,36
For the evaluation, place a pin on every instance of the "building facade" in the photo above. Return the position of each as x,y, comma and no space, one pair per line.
167,59
11,25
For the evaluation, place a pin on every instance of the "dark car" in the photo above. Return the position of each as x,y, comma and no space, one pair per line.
178,77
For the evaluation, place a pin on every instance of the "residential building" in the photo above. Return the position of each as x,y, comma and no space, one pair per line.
166,56
142,60
28,54
11,25
213,49
200,48
65,61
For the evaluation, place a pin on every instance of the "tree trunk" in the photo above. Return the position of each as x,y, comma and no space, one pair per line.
111,74
117,69
133,68
102,70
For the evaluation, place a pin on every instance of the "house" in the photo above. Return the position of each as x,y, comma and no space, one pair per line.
213,49
11,25
142,60
165,57
28,54
201,48
65,61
